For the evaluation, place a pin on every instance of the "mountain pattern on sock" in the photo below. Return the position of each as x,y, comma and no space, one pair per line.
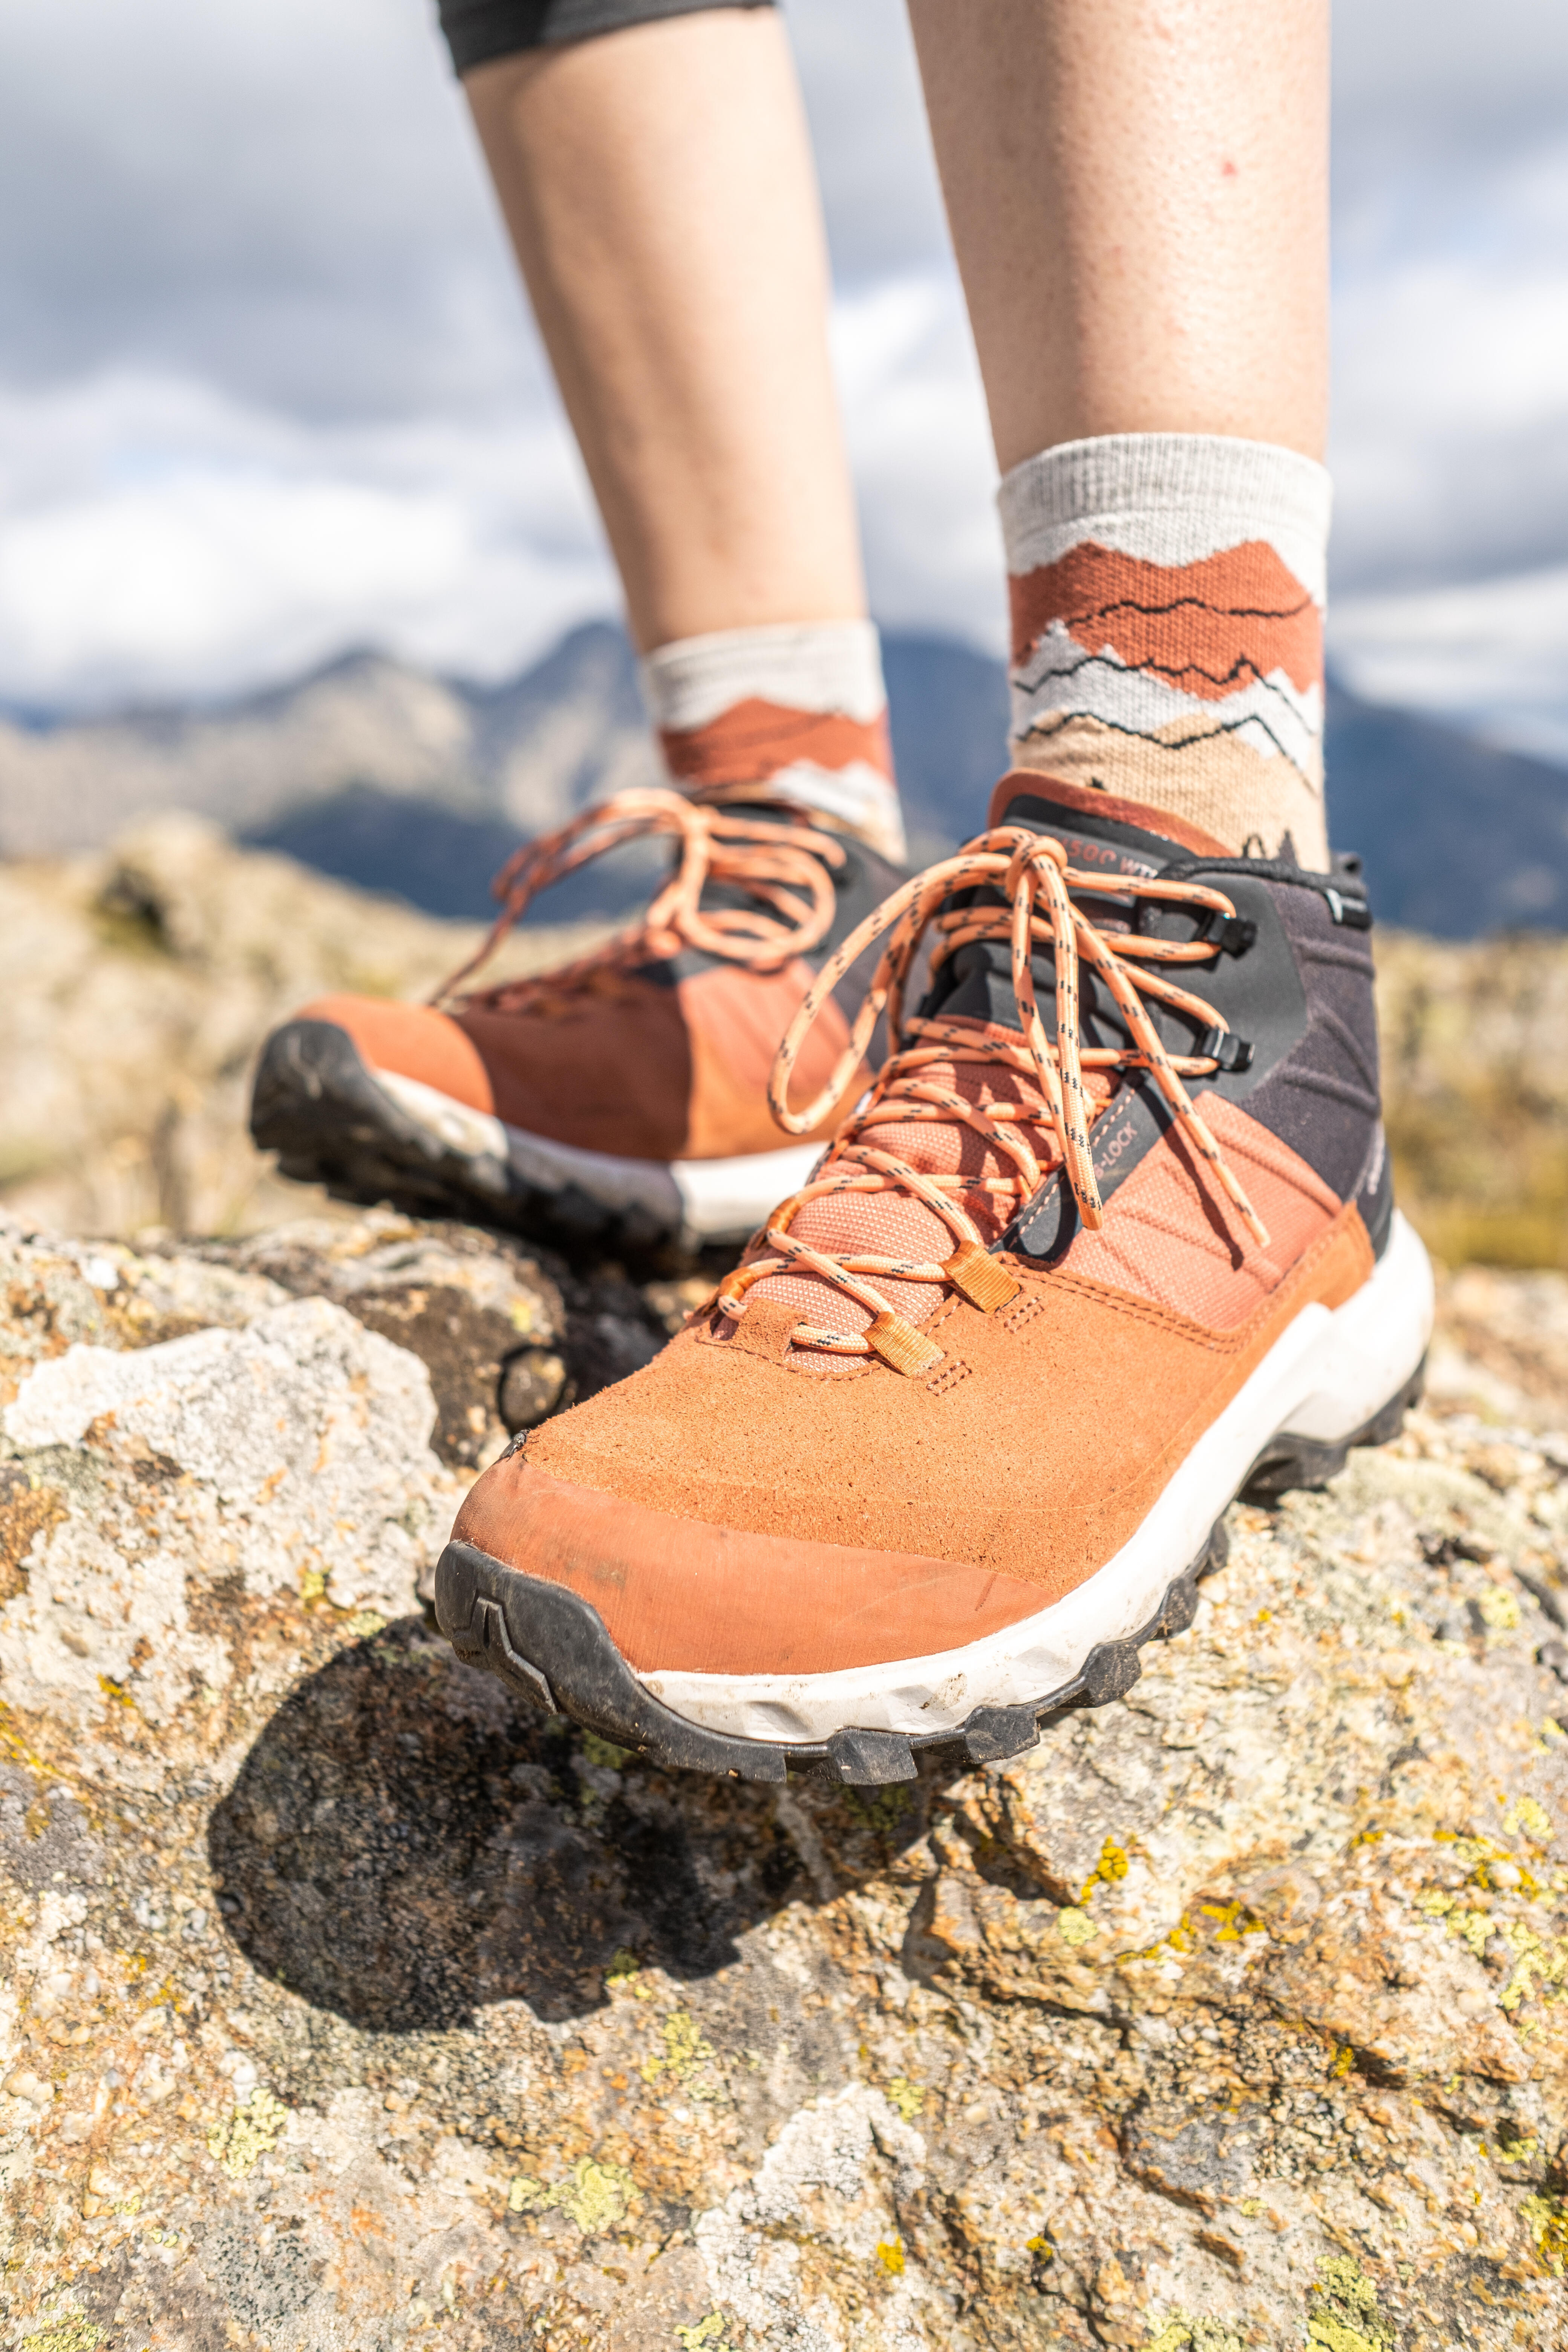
799,709
1167,597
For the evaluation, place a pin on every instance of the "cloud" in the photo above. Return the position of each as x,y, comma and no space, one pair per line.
164,542
869,128
1487,654
284,201
920,447
1427,85
269,390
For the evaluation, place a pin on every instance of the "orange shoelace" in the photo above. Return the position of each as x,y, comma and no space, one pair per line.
1033,871
781,866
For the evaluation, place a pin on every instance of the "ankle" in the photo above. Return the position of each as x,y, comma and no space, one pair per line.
797,713
1167,595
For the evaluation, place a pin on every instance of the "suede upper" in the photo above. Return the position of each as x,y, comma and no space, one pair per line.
1026,1459
842,1510
642,1070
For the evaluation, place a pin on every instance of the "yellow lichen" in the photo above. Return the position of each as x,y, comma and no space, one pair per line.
13,1745
881,1810
72,2333
1525,1814
708,2335
1547,2220
365,1623
1112,1864
249,2134
1183,2332
1539,1963
1074,1926
1233,1921
604,1752
595,2196
685,2051
1500,1609
890,2254
1472,1927
1327,2334
312,1585
907,2096
625,1974
1347,2318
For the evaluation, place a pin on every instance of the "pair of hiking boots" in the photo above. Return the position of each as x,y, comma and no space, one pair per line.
1107,1235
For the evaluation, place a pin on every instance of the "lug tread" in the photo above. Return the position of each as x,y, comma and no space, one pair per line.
317,1107
482,1607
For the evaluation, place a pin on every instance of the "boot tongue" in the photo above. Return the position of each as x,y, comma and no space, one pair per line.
1101,836
1100,829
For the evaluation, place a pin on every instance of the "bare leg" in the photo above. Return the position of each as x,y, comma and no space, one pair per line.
659,187
1138,191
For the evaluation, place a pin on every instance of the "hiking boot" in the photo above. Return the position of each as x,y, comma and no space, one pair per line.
621,1100
1113,1239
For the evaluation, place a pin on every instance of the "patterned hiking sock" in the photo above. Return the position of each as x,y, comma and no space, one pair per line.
1167,599
801,709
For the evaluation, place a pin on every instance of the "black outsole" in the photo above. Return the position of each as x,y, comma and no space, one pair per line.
1286,1463
550,1645
316,1104
545,1642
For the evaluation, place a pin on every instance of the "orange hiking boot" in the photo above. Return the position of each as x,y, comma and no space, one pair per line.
623,1099
1112,1238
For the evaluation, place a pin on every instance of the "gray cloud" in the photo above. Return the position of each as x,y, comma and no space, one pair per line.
285,202
250,273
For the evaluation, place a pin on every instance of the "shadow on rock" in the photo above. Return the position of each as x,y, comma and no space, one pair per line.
406,1843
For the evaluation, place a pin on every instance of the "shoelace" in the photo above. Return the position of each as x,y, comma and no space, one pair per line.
785,866
1033,870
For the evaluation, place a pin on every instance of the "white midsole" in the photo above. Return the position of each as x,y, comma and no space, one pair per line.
701,1199
1325,1376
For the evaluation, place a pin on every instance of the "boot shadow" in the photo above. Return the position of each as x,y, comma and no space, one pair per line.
408,1843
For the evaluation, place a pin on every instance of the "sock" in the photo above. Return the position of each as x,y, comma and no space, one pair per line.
1167,599
799,708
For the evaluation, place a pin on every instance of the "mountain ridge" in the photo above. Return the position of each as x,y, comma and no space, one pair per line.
407,783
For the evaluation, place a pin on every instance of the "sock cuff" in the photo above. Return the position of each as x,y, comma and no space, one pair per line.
832,667
1168,498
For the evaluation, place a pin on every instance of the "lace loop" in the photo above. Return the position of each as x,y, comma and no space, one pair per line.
1032,872
782,866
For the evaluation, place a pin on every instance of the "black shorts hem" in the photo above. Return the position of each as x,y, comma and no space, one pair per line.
478,30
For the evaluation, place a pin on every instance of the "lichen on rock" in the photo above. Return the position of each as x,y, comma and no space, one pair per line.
347,1999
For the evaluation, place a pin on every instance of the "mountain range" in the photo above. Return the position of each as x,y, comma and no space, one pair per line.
421,787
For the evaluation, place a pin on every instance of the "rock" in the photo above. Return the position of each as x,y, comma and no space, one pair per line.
141,979
141,982
346,1999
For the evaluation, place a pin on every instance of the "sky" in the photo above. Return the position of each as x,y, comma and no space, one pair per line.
268,391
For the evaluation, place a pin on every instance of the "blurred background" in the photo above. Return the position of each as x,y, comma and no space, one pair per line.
302,591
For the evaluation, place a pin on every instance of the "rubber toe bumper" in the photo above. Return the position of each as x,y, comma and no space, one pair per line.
554,1647
549,1645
